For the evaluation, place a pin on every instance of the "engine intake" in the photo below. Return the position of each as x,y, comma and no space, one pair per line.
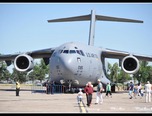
130,64
23,63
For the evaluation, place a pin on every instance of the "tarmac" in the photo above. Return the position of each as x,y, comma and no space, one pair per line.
40,102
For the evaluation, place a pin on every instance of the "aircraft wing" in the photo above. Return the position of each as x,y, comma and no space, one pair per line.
44,53
110,53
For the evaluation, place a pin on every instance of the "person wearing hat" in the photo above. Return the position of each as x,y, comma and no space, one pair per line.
99,98
148,92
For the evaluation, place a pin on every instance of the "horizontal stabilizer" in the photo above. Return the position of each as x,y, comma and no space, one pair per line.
93,18
107,18
97,17
77,18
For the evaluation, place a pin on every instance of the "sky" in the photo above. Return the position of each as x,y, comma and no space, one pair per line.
24,26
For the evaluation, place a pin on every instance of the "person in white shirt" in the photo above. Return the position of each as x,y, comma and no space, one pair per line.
148,92
139,89
79,96
99,97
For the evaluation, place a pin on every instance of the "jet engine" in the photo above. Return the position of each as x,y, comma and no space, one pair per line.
23,63
130,64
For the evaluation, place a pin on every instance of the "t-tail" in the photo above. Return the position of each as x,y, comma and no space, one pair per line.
93,17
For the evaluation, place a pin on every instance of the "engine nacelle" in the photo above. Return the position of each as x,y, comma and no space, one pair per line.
130,64
23,63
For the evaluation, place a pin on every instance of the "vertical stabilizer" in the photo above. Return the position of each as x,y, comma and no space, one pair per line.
92,28
93,18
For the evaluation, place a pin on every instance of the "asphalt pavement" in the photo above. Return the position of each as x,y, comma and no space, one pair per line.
40,102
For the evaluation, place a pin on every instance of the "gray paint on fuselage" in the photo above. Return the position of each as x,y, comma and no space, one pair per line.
76,67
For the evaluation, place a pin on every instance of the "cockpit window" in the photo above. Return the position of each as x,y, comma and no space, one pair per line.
60,51
72,51
80,52
66,51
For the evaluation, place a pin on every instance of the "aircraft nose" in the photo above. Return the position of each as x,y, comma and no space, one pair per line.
68,63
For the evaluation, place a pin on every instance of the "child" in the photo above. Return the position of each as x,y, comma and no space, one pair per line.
135,91
142,93
79,96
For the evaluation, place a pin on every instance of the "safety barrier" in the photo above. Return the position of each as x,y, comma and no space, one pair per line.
48,90
55,89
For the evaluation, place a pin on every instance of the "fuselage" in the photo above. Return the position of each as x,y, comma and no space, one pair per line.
76,63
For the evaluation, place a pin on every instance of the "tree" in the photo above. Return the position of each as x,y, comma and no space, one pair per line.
32,76
39,71
109,70
150,74
17,75
144,72
4,73
123,77
114,72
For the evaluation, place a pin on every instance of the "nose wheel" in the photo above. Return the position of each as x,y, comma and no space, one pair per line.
70,89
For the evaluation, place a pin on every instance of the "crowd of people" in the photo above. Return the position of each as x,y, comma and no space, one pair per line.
139,90
88,90
135,90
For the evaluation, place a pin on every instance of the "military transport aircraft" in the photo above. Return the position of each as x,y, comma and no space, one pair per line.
74,64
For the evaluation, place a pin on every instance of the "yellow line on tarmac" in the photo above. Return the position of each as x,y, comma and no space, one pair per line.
82,107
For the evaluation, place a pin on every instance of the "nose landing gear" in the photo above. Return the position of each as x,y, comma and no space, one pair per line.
70,89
